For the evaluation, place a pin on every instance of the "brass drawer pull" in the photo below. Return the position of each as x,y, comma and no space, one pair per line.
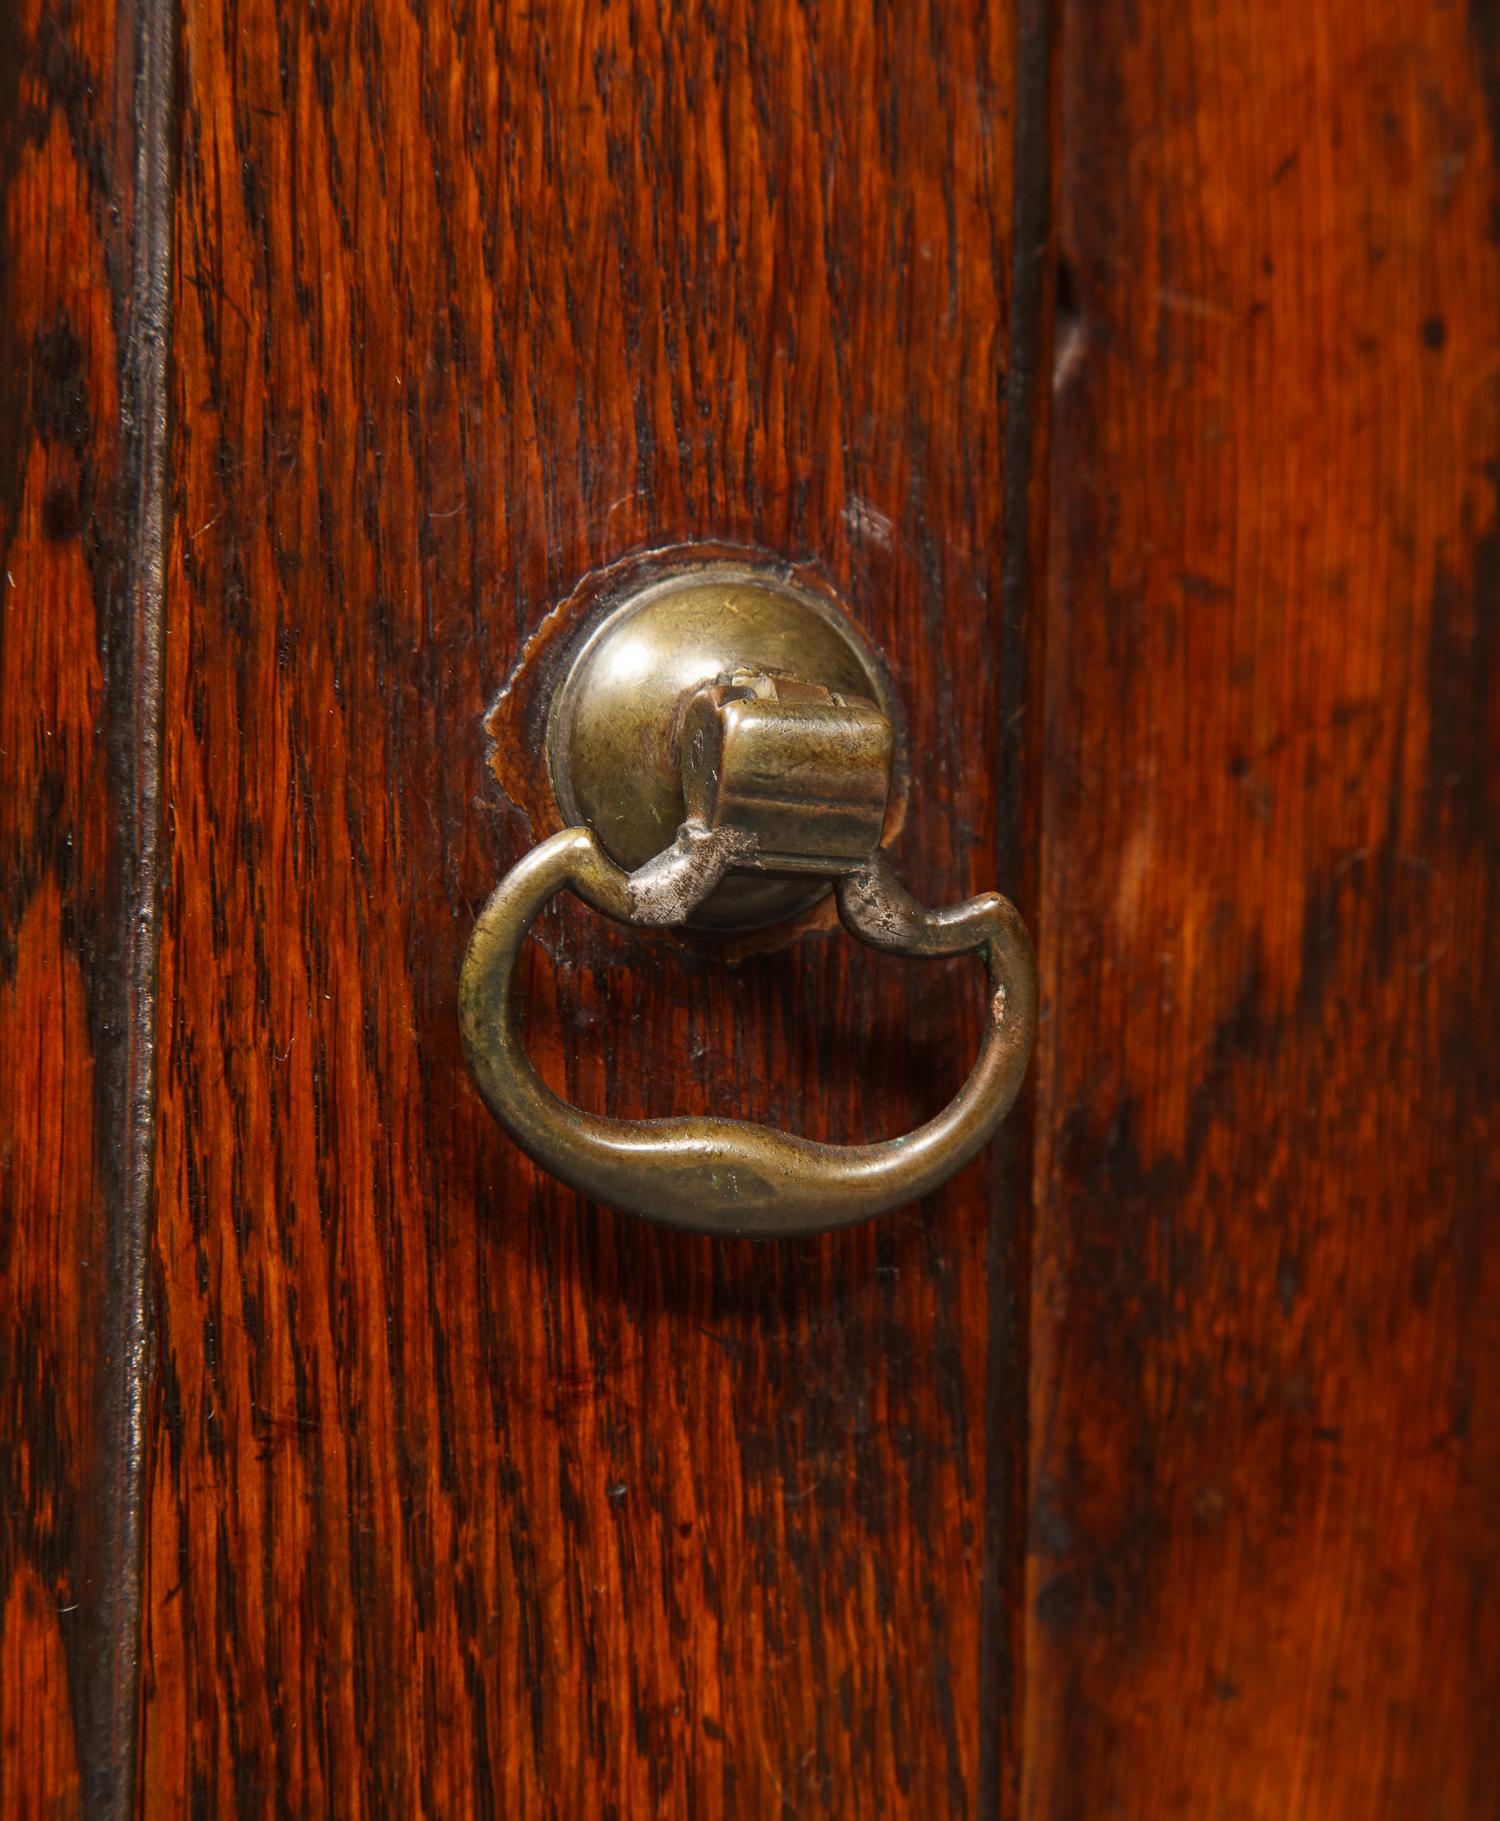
778,775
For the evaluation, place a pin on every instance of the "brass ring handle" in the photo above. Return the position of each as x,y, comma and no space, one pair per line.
727,1175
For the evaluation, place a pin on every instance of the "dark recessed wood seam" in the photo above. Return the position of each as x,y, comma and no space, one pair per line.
1022,616
127,1101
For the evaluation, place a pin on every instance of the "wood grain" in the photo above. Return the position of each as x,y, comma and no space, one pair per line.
466,1498
83,95
1265,1363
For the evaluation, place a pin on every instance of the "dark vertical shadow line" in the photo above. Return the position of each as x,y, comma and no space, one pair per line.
126,1140
1002,1628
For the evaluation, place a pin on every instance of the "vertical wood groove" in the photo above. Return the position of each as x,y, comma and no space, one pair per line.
127,1102
1002,1676
85,239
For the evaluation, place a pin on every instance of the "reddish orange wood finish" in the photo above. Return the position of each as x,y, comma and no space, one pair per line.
460,1498
77,618
466,1498
1265,1360
60,452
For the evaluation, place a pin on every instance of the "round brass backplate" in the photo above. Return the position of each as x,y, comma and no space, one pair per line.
613,734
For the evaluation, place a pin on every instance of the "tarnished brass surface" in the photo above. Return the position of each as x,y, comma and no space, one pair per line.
725,1175
805,771
730,744
615,733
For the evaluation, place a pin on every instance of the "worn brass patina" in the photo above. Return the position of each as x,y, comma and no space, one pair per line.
803,770
777,778
614,738
726,1175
